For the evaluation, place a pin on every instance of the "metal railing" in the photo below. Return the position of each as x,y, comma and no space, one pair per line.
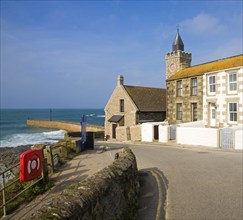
5,176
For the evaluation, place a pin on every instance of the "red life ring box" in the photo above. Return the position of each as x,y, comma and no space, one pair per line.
30,165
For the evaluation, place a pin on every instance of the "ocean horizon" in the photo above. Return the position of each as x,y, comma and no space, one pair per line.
14,131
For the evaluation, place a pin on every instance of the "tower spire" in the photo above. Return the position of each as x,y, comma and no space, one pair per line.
178,43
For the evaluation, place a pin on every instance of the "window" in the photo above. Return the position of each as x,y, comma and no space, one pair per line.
212,84
179,111
232,82
194,86
232,112
179,88
121,105
194,111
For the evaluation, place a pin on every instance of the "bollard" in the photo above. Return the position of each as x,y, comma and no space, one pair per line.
116,156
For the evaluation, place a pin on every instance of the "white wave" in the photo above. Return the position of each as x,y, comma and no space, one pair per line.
91,115
100,116
32,138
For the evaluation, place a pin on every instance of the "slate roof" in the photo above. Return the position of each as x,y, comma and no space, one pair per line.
178,43
116,118
217,65
147,99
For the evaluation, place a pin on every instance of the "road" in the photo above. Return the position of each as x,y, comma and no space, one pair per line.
198,183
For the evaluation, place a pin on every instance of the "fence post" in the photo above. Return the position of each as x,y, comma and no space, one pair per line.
218,138
4,200
45,169
49,154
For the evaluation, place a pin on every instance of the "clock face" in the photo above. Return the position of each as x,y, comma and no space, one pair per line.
172,67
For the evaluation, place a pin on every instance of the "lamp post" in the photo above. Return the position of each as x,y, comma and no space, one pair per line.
50,114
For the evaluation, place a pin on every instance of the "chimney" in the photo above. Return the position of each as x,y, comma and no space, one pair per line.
120,80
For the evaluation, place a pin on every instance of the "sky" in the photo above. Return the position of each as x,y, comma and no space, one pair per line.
68,54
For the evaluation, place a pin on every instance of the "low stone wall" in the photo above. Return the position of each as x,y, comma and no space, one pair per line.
109,194
63,125
135,132
122,133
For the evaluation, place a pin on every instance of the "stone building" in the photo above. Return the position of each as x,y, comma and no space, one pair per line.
129,106
184,91
211,91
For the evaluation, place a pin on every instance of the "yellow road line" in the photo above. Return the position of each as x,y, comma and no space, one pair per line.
159,206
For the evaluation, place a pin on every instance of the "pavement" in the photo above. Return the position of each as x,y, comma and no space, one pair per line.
80,167
176,182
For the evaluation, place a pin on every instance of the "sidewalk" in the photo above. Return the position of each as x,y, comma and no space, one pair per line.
80,167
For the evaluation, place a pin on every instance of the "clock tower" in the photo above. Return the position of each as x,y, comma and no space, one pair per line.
177,59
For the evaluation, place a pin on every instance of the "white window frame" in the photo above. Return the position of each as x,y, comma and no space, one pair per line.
211,85
234,112
232,82
179,89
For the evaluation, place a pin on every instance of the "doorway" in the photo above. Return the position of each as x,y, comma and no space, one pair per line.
114,131
194,111
212,111
156,132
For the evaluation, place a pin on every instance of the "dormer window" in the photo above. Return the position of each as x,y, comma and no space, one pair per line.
121,105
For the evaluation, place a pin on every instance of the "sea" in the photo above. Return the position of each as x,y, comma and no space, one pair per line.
14,131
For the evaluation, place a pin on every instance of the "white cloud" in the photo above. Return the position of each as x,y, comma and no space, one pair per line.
231,48
203,24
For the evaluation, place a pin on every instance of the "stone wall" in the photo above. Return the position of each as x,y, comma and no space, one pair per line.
123,133
186,100
109,194
63,125
135,132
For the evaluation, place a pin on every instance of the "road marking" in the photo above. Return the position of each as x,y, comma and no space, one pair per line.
159,206
161,187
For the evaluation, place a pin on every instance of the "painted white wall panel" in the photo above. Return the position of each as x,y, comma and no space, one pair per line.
239,139
197,136
163,134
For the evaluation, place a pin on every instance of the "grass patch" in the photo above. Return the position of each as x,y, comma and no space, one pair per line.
27,196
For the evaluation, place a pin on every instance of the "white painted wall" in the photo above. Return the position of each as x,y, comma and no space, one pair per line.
207,137
147,132
221,98
239,139
197,124
163,133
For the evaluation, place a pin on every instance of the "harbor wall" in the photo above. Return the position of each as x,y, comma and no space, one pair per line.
63,125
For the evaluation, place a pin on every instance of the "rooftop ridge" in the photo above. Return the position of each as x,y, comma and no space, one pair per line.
145,87
216,65
214,61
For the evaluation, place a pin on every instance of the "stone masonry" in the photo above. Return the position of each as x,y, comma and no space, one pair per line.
186,99
109,194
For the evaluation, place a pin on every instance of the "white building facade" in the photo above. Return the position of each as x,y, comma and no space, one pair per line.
223,97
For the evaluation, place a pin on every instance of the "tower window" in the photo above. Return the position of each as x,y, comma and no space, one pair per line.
121,105
179,88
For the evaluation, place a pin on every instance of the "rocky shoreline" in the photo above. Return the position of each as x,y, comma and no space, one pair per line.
9,156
